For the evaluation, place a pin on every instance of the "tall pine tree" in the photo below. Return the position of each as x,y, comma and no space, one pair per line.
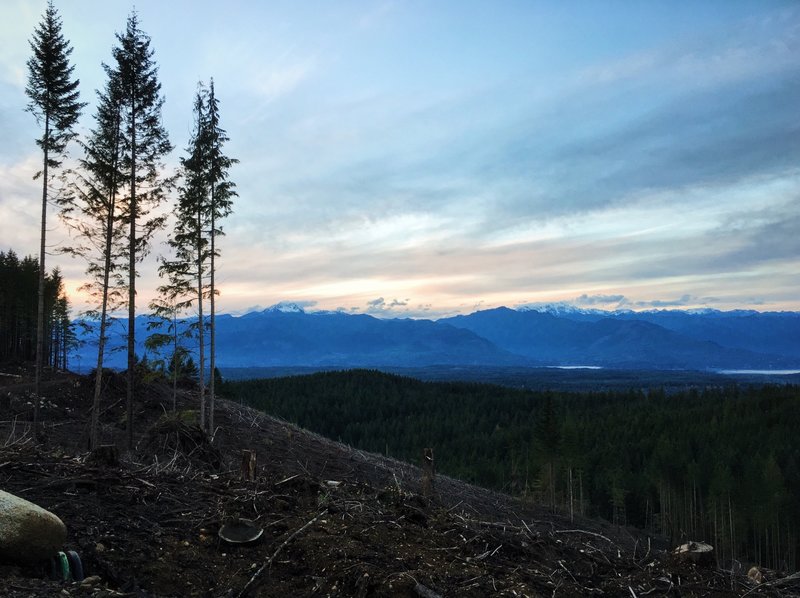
221,191
146,144
189,241
54,102
90,210
205,199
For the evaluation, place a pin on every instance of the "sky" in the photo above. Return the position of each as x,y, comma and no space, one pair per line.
422,159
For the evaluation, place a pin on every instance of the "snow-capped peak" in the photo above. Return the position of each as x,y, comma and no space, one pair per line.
285,307
557,308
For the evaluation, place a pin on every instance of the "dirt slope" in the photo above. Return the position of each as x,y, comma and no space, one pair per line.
336,521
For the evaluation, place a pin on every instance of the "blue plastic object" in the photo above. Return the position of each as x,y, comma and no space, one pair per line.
63,564
75,565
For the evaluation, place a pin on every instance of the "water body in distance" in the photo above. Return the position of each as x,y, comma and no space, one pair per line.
759,372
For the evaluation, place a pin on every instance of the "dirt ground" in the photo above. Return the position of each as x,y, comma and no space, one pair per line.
336,521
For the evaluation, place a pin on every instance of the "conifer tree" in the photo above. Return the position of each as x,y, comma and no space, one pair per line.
165,320
55,103
221,194
188,240
91,211
146,144
205,199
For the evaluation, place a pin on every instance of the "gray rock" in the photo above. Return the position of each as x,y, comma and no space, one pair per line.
28,533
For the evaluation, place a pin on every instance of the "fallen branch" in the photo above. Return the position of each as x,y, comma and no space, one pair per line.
275,554
776,582
583,531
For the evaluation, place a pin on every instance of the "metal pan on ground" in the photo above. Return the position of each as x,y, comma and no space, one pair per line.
240,531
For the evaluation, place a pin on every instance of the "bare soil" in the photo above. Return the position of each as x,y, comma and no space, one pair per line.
336,521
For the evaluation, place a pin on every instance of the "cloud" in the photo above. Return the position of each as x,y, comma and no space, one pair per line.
713,109
380,305
397,308
585,299
377,13
737,52
680,302
281,79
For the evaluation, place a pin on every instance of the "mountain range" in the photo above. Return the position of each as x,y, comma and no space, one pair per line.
286,335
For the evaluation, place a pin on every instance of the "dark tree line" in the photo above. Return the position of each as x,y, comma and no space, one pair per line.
19,289
720,465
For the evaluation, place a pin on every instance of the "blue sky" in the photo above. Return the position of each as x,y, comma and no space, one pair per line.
413,158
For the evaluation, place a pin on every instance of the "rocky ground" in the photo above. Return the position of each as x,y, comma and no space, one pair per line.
336,521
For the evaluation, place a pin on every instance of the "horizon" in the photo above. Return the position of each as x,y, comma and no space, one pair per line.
408,160
555,308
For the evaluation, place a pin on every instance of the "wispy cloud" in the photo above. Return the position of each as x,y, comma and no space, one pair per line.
593,300
377,13
281,78
682,301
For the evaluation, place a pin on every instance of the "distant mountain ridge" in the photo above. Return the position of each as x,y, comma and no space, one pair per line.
287,335
638,340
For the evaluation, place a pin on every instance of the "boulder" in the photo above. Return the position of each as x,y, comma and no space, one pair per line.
28,533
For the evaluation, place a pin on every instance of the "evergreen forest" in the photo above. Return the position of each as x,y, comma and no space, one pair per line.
720,464
19,284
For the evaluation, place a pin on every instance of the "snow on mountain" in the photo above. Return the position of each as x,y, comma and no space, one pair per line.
285,307
558,308
565,309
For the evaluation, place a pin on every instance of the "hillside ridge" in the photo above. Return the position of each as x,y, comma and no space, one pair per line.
148,526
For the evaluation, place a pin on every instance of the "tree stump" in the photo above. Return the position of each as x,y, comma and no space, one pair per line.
428,472
756,574
248,465
105,455
698,553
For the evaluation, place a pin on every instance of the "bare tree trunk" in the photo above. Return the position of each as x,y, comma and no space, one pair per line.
571,512
174,359
98,378
132,285
248,465
40,308
94,430
428,473
64,348
201,324
730,521
213,347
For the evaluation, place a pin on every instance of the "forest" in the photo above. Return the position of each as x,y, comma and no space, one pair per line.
719,464
18,291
